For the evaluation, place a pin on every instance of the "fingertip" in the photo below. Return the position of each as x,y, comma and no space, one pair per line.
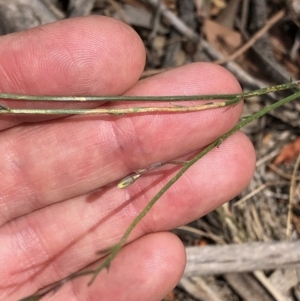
234,164
154,264
170,258
217,79
195,78
164,258
216,178
87,55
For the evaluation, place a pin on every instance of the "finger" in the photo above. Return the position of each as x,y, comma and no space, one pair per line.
51,162
78,228
91,55
154,263
146,269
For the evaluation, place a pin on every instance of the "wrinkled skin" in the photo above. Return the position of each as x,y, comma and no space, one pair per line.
58,198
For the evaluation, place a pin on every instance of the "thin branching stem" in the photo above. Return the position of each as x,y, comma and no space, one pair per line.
189,164
234,98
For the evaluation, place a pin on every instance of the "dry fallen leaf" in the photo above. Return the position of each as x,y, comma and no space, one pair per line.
288,152
224,39
170,297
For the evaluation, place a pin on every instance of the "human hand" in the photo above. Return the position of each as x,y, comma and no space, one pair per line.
59,201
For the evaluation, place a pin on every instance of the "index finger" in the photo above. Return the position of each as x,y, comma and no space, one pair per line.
92,55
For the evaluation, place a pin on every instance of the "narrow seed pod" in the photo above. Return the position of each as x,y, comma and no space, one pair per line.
125,182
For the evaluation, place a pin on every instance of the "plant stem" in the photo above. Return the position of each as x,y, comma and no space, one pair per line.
115,250
190,163
52,98
119,111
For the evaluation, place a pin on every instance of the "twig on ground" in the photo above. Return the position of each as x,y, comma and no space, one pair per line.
279,15
261,277
247,257
77,8
247,287
257,190
198,288
175,21
282,173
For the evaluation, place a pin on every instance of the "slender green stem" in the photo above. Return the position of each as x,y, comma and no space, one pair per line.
190,163
233,99
115,250
53,98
